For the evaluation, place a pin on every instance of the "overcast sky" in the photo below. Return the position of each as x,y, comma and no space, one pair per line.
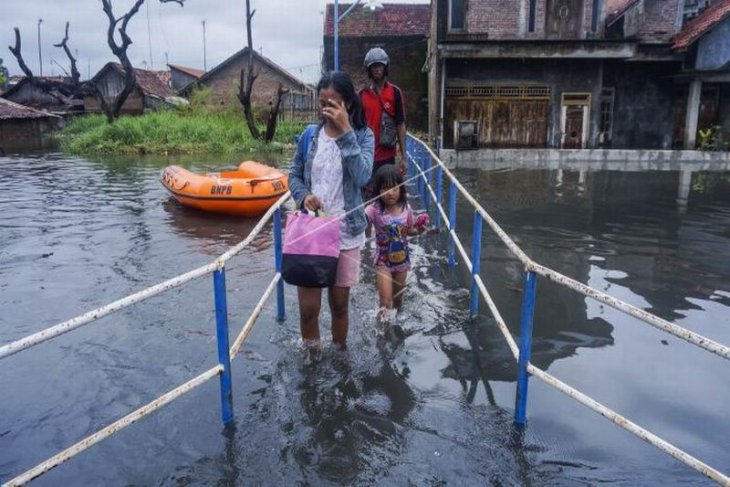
288,31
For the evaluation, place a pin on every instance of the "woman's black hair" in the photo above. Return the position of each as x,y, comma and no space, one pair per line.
387,177
342,84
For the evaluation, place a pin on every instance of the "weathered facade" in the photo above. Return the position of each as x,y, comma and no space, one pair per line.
25,93
152,91
402,30
555,73
224,81
24,128
181,76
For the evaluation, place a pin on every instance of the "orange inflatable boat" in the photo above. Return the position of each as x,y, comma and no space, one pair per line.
248,191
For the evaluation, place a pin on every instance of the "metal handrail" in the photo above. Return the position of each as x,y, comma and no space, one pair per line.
225,353
521,353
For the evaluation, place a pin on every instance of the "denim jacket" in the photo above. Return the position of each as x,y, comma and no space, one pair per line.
357,148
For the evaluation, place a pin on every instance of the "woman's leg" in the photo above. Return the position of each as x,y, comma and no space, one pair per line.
385,287
339,299
399,288
310,302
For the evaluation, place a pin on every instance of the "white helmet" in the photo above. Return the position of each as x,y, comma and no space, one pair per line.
376,55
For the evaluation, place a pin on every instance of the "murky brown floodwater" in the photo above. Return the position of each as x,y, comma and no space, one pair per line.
437,409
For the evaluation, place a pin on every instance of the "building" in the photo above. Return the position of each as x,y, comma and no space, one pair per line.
153,90
224,81
24,128
181,76
702,98
558,73
45,95
402,30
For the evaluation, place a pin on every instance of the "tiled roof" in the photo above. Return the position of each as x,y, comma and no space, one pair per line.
10,110
616,8
391,20
149,82
197,73
702,24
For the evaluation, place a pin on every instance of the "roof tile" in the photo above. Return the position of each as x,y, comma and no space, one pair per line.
392,20
703,23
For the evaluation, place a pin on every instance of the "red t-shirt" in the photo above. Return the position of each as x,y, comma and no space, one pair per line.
392,99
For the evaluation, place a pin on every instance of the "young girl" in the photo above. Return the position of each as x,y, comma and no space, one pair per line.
393,220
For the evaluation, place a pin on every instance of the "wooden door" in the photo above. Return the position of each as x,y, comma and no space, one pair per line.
564,19
573,138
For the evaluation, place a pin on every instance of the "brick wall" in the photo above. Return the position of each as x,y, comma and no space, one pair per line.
224,84
497,18
659,20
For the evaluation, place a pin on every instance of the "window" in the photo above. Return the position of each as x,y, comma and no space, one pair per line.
457,14
531,22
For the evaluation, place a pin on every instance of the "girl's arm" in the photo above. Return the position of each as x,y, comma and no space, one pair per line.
298,189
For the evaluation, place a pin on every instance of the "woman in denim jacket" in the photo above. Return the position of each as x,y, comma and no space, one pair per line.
329,177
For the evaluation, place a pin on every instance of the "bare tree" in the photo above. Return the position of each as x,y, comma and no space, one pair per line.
75,75
119,49
245,89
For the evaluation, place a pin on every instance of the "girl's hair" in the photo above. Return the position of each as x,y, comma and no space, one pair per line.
387,177
342,84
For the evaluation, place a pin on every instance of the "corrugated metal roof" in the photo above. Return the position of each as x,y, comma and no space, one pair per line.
702,24
11,111
391,20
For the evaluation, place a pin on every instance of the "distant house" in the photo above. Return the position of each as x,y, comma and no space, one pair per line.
403,31
181,76
224,81
703,92
153,90
569,73
25,93
24,128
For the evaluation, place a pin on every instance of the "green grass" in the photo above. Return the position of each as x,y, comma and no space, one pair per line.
170,132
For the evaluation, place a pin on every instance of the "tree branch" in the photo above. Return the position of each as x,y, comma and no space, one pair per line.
75,75
19,56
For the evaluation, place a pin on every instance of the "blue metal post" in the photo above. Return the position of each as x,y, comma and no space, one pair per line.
419,160
427,168
476,255
439,195
224,358
337,39
452,223
528,311
280,311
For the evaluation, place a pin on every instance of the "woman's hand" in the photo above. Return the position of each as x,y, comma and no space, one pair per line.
312,203
336,114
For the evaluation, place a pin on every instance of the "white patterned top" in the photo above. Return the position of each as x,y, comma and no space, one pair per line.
327,186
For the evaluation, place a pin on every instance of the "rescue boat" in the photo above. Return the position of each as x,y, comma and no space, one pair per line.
248,191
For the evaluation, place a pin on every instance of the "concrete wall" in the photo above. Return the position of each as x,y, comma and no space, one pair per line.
583,76
407,57
713,51
642,112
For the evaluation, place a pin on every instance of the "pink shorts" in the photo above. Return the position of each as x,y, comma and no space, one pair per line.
348,268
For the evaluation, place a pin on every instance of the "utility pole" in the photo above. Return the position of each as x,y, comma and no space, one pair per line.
167,61
149,36
205,61
40,58
88,69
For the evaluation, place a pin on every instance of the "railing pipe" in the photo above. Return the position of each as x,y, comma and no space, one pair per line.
476,251
280,306
528,311
452,223
224,357
426,193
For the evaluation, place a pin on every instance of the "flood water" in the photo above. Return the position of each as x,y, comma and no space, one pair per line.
434,409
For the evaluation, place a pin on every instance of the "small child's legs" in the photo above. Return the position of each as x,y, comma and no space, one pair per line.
391,287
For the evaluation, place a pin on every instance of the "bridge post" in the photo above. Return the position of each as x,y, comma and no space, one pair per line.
439,196
528,312
280,310
476,251
452,223
224,358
